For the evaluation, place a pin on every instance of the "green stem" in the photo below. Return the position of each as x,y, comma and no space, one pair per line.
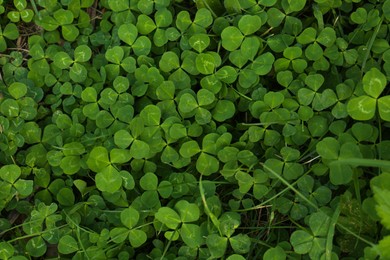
331,230
363,162
318,15
34,6
371,43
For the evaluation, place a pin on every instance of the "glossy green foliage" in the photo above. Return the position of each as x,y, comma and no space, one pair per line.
207,129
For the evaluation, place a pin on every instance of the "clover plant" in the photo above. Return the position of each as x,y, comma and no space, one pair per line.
204,129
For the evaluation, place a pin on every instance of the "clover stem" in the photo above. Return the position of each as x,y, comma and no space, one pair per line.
34,6
371,43
318,15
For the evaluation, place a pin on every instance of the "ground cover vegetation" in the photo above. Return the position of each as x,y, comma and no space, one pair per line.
172,129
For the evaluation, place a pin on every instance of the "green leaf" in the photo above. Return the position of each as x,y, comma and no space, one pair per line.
128,64
362,108
14,16
128,33
104,119
189,212
314,52
11,31
199,42
203,18
163,17
340,173
262,65
359,16
217,245
314,81
240,243
168,217
36,246
384,108
227,74
120,156
63,17
127,180
98,159
273,99
67,245
189,149
327,37
374,82
307,36
6,250
145,24
205,63
324,100
160,37
231,38
24,187
70,164
82,53
119,234
62,60
169,61
139,149
386,13
115,55
17,90
250,47
78,73
293,6
70,32
384,245
118,6
89,94
10,108
149,181
223,110
249,24
187,103
301,241
191,235
121,84
207,164
66,197
137,237
10,173
142,46
205,97
123,139
108,179
183,21
129,217
151,115
169,155
275,253
328,148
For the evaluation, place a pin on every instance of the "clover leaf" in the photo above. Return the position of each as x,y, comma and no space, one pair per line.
61,18
363,107
10,32
26,15
313,243
117,61
231,38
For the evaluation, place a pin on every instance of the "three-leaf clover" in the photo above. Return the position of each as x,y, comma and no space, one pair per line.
61,18
309,36
26,15
78,72
364,107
